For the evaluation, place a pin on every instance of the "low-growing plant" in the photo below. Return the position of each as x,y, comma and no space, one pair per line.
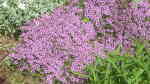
55,41
120,69
13,13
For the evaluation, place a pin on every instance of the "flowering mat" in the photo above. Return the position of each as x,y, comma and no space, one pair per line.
59,47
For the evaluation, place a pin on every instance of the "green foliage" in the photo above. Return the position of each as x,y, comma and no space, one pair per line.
121,69
55,81
13,13
85,19
81,4
136,0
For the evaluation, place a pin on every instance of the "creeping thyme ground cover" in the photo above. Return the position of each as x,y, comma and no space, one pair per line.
14,13
87,42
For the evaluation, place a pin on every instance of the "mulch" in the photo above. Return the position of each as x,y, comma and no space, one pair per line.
3,54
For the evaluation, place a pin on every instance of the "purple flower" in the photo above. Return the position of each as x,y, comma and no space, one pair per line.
52,40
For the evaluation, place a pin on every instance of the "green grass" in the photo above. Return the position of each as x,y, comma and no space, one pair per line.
120,69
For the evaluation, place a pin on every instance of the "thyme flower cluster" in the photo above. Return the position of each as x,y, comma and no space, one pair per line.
70,37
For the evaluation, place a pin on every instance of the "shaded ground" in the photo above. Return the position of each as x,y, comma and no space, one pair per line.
5,44
8,72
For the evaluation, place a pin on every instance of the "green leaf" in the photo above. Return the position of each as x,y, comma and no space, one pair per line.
81,4
79,74
116,52
85,19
